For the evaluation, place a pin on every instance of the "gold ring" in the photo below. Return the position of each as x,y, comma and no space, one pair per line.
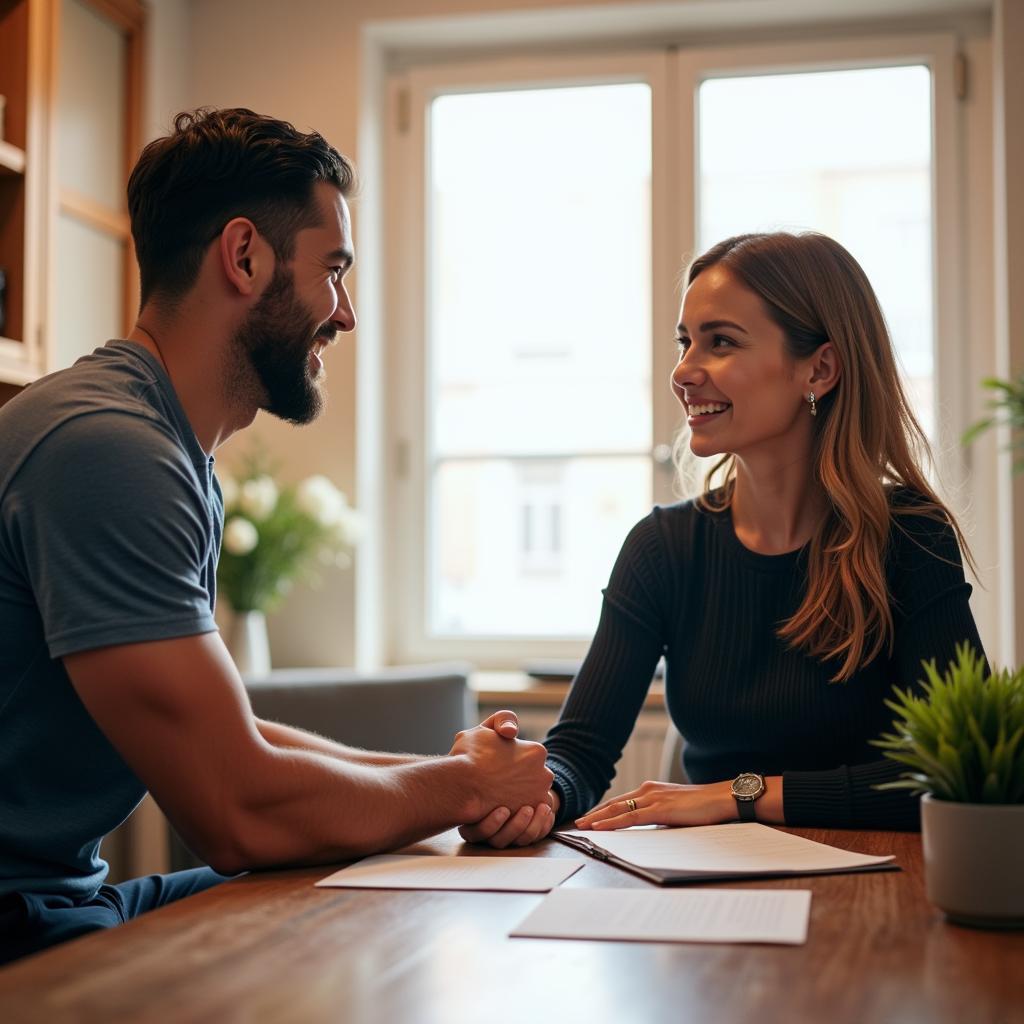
631,804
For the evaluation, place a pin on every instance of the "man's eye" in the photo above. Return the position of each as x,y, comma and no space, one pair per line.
336,273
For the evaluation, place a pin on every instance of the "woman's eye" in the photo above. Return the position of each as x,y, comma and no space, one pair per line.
682,344
721,341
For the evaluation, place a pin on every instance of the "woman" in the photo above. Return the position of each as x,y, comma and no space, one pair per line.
788,601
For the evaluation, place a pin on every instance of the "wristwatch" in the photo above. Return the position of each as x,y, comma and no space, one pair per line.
746,788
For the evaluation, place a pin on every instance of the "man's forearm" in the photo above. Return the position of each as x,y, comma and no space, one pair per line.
289,737
308,807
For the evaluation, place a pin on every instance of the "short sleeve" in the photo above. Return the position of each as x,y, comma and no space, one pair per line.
110,526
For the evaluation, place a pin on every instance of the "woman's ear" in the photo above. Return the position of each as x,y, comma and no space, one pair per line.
243,253
824,370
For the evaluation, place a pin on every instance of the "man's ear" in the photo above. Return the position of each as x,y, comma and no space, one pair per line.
245,257
824,370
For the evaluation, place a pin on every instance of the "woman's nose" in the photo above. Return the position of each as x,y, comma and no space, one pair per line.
688,372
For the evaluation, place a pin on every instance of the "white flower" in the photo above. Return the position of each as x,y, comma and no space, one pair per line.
228,489
320,500
240,536
348,528
258,497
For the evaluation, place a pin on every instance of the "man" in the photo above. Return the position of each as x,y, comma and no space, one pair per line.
113,679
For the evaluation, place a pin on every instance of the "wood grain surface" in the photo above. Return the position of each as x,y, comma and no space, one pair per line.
269,947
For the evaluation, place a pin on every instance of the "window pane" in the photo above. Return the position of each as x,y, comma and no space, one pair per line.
848,153
524,546
540,352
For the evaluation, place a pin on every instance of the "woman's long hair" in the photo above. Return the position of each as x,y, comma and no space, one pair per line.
866,438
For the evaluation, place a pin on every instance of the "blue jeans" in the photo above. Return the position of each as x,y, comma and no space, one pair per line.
30,922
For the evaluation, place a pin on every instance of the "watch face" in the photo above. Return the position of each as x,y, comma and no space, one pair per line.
747,785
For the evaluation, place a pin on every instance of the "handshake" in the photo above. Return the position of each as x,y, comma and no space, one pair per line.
513,803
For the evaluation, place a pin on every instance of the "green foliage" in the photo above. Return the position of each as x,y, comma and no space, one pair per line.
276,534
964,738
1007,405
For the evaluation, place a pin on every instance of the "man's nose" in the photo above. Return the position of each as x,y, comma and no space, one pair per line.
344,318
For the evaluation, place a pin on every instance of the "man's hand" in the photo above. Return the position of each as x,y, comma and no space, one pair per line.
504,723
501,828
504,771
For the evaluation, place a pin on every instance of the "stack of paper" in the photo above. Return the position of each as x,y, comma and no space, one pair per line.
670,856
487,874
643,915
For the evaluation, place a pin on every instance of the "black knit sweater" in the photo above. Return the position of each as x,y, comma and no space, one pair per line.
685,587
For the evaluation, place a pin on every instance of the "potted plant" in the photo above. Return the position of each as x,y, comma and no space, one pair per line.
275,534
963,741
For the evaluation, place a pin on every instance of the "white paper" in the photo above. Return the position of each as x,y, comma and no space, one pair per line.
742,848
692,915
482,874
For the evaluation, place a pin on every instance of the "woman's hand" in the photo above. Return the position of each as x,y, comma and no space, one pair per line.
664,803
501,828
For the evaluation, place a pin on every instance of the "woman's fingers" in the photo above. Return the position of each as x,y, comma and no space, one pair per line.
664,803
641,816
627,803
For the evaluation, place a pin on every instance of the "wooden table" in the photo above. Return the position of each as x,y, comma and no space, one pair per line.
269,947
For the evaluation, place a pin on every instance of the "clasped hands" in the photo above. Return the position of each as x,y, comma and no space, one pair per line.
653,803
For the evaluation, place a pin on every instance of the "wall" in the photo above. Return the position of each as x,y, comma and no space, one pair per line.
167,65
304,61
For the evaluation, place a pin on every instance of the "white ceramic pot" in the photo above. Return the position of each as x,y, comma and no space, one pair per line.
249,644
974,861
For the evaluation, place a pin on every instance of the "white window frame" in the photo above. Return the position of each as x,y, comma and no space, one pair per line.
674,76
408,266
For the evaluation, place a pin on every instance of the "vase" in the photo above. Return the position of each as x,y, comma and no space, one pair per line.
249,644
972,860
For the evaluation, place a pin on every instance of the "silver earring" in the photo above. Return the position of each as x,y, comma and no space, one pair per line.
813,403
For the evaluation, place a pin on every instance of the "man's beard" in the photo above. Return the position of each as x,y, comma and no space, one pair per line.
276,340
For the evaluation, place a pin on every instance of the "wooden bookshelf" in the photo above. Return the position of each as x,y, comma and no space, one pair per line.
36,203
12,159
24,83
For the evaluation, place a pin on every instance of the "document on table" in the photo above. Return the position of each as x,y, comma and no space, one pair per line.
672,856
481,874
699,915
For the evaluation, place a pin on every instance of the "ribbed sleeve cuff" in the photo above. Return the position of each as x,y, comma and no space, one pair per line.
568,794
821,799
846,797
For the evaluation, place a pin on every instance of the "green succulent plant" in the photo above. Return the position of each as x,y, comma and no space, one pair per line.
963,738
1006,405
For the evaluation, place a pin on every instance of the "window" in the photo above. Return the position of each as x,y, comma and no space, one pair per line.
847,153
543,211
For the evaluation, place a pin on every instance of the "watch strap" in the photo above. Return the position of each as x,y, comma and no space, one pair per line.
746,810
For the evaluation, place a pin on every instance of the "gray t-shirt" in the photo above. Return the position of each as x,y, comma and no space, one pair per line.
110,526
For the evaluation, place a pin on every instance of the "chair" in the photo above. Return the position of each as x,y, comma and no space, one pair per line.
413,709
672,769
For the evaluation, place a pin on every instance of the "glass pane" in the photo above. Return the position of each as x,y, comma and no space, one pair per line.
540,344
91,105
90,268
524,546
848,153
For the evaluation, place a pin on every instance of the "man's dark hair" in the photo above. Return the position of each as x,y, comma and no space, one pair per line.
214,166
